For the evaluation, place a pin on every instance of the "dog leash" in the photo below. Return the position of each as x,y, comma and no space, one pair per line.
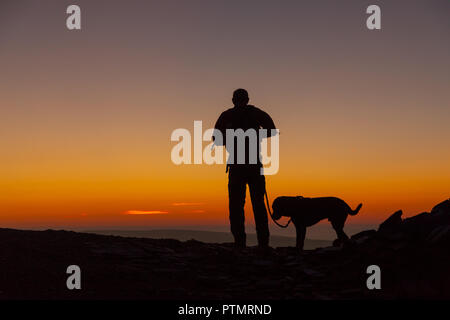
270,212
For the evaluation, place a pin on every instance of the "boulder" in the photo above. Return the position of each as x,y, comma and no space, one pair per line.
363,235
440,234
417,219
440,214
442,208
392,223
418,225
421,225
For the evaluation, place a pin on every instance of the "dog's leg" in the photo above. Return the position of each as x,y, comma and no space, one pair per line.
301,233
338,226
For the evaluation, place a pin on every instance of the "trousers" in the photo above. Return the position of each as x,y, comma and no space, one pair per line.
239,177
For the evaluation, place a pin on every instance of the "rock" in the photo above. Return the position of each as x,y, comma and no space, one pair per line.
263,263
417,219
268,283
329,249
293,264
440,214
398,245
212,281
352,292
392,223
312,273
442,208
363,234
415,254
439,234
420,226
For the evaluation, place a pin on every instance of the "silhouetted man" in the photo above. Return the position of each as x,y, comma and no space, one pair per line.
244,116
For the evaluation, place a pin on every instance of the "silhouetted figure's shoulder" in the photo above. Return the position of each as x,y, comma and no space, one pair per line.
251,109
228,113
261,117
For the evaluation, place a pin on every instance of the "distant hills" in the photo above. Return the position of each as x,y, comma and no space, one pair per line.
209,237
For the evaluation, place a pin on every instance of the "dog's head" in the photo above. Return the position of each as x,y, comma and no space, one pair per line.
279,208
285,206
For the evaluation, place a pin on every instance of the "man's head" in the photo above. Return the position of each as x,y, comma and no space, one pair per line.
240,98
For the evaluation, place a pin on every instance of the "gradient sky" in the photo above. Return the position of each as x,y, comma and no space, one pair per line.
86,116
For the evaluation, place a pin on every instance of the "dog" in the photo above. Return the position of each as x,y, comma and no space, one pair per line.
306,212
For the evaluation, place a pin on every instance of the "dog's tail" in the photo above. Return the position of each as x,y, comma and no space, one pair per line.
354,212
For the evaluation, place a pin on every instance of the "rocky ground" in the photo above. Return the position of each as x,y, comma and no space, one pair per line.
413,255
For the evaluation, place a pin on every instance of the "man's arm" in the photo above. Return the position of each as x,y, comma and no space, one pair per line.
221,127
267,123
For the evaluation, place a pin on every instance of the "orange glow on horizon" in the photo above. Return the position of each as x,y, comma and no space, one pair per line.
139,212
183,204
87,117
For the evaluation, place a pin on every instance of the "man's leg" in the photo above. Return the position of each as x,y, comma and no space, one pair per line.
257,186
236,197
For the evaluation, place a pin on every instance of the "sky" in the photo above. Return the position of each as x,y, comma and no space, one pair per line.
86,116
